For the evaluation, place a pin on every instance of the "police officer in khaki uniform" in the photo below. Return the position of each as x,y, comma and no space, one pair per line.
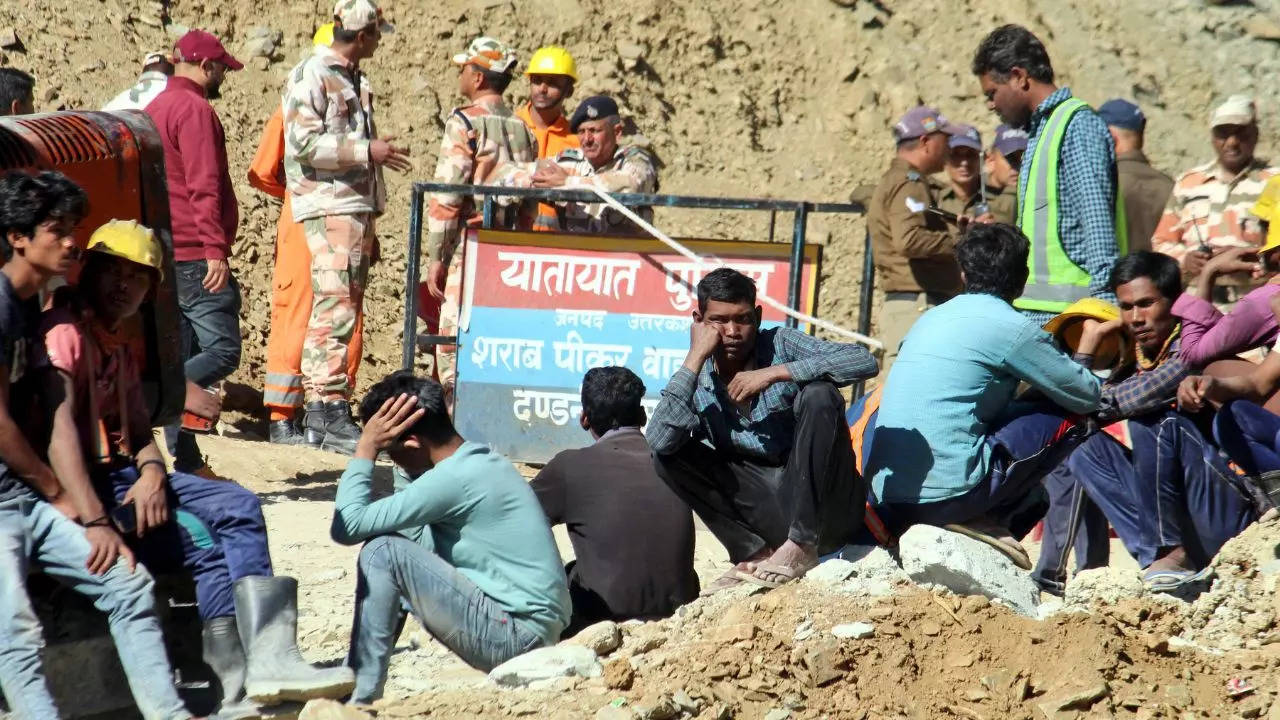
961,195
914,249
1146,190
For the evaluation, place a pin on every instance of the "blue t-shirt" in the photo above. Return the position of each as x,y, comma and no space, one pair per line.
483,519
954,377
17,320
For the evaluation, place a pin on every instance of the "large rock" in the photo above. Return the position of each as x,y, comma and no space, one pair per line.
562,660
967,567
603,637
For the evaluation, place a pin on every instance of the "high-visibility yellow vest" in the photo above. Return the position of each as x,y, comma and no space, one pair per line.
1054,281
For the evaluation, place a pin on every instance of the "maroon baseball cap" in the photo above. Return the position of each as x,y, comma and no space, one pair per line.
199,45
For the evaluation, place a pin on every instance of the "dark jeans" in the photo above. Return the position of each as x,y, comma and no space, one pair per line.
816,498
1249,434
210,325
394,571
1024,450
1073,519
1170,490
215,530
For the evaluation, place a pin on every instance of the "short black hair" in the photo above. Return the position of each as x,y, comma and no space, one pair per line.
1162,270
343,35
993,258
498,81
27,200
434,425
15,86
726,285
611,398
1010,46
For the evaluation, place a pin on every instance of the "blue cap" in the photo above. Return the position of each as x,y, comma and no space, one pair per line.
920,121
1123,114
1010,140
967,137
593,108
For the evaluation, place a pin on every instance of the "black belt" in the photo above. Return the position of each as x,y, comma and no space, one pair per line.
932,297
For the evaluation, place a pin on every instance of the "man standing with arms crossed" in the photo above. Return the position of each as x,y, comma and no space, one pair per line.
1067,194
478,137
203,217
333,170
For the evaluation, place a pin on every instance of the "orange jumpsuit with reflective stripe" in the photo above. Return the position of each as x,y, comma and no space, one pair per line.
551,141
290,285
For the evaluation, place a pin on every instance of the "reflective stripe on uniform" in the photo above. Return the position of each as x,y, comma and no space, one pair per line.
281,390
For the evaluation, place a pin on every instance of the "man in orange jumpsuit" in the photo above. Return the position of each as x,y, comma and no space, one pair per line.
290,288
552,74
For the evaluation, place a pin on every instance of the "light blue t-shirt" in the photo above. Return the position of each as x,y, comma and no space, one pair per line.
483,519
955,376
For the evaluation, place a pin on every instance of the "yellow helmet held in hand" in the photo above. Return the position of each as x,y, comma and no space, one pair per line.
323,36
128,240
552,60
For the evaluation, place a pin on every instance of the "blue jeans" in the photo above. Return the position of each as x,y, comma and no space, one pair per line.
33,533
216,531
1249,434
1024,449
394,570
210,325
1170,490
1073,519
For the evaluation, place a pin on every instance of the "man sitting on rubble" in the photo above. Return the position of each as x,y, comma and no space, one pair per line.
53,523
101,434
465,544
603,161
948,448
632,536
1163,488
1135,398
751,432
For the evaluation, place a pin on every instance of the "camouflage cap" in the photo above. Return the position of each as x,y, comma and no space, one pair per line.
355,15
488,53
1237,110
967,137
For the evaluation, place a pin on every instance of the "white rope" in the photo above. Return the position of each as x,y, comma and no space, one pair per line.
714,262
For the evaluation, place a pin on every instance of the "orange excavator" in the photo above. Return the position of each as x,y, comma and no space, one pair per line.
119,161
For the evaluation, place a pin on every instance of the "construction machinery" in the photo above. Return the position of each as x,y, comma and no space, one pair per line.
117,157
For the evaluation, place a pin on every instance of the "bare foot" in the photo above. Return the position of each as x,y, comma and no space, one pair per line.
796,558
1175,560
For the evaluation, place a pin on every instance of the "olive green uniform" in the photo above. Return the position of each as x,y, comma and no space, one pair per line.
1003,203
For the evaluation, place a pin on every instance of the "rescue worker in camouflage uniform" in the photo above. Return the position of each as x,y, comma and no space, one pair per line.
156,69
333,170
478,138
602,161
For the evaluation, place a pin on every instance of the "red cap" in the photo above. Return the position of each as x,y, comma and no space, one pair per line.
199,45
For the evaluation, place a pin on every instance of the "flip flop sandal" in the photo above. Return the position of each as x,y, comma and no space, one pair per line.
726,581
1163,581
791,574
1015,552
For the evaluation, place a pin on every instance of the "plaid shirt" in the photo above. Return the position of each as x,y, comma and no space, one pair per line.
1087,181
1142,392
699,408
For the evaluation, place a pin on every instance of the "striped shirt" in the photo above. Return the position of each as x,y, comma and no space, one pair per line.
1144,391
698,407
1087,183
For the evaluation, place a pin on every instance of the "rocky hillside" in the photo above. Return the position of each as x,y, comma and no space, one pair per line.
785,98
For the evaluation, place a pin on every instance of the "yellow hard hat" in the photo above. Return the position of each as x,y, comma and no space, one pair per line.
1113,348
323,36
131,241
552,60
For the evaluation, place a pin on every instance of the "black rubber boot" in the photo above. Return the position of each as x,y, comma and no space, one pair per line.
340,432
313,424
267,615
285,432
225,657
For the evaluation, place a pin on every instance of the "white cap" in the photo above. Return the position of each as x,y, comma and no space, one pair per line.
1237,110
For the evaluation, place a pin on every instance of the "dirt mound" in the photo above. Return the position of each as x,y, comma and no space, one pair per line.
785,98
